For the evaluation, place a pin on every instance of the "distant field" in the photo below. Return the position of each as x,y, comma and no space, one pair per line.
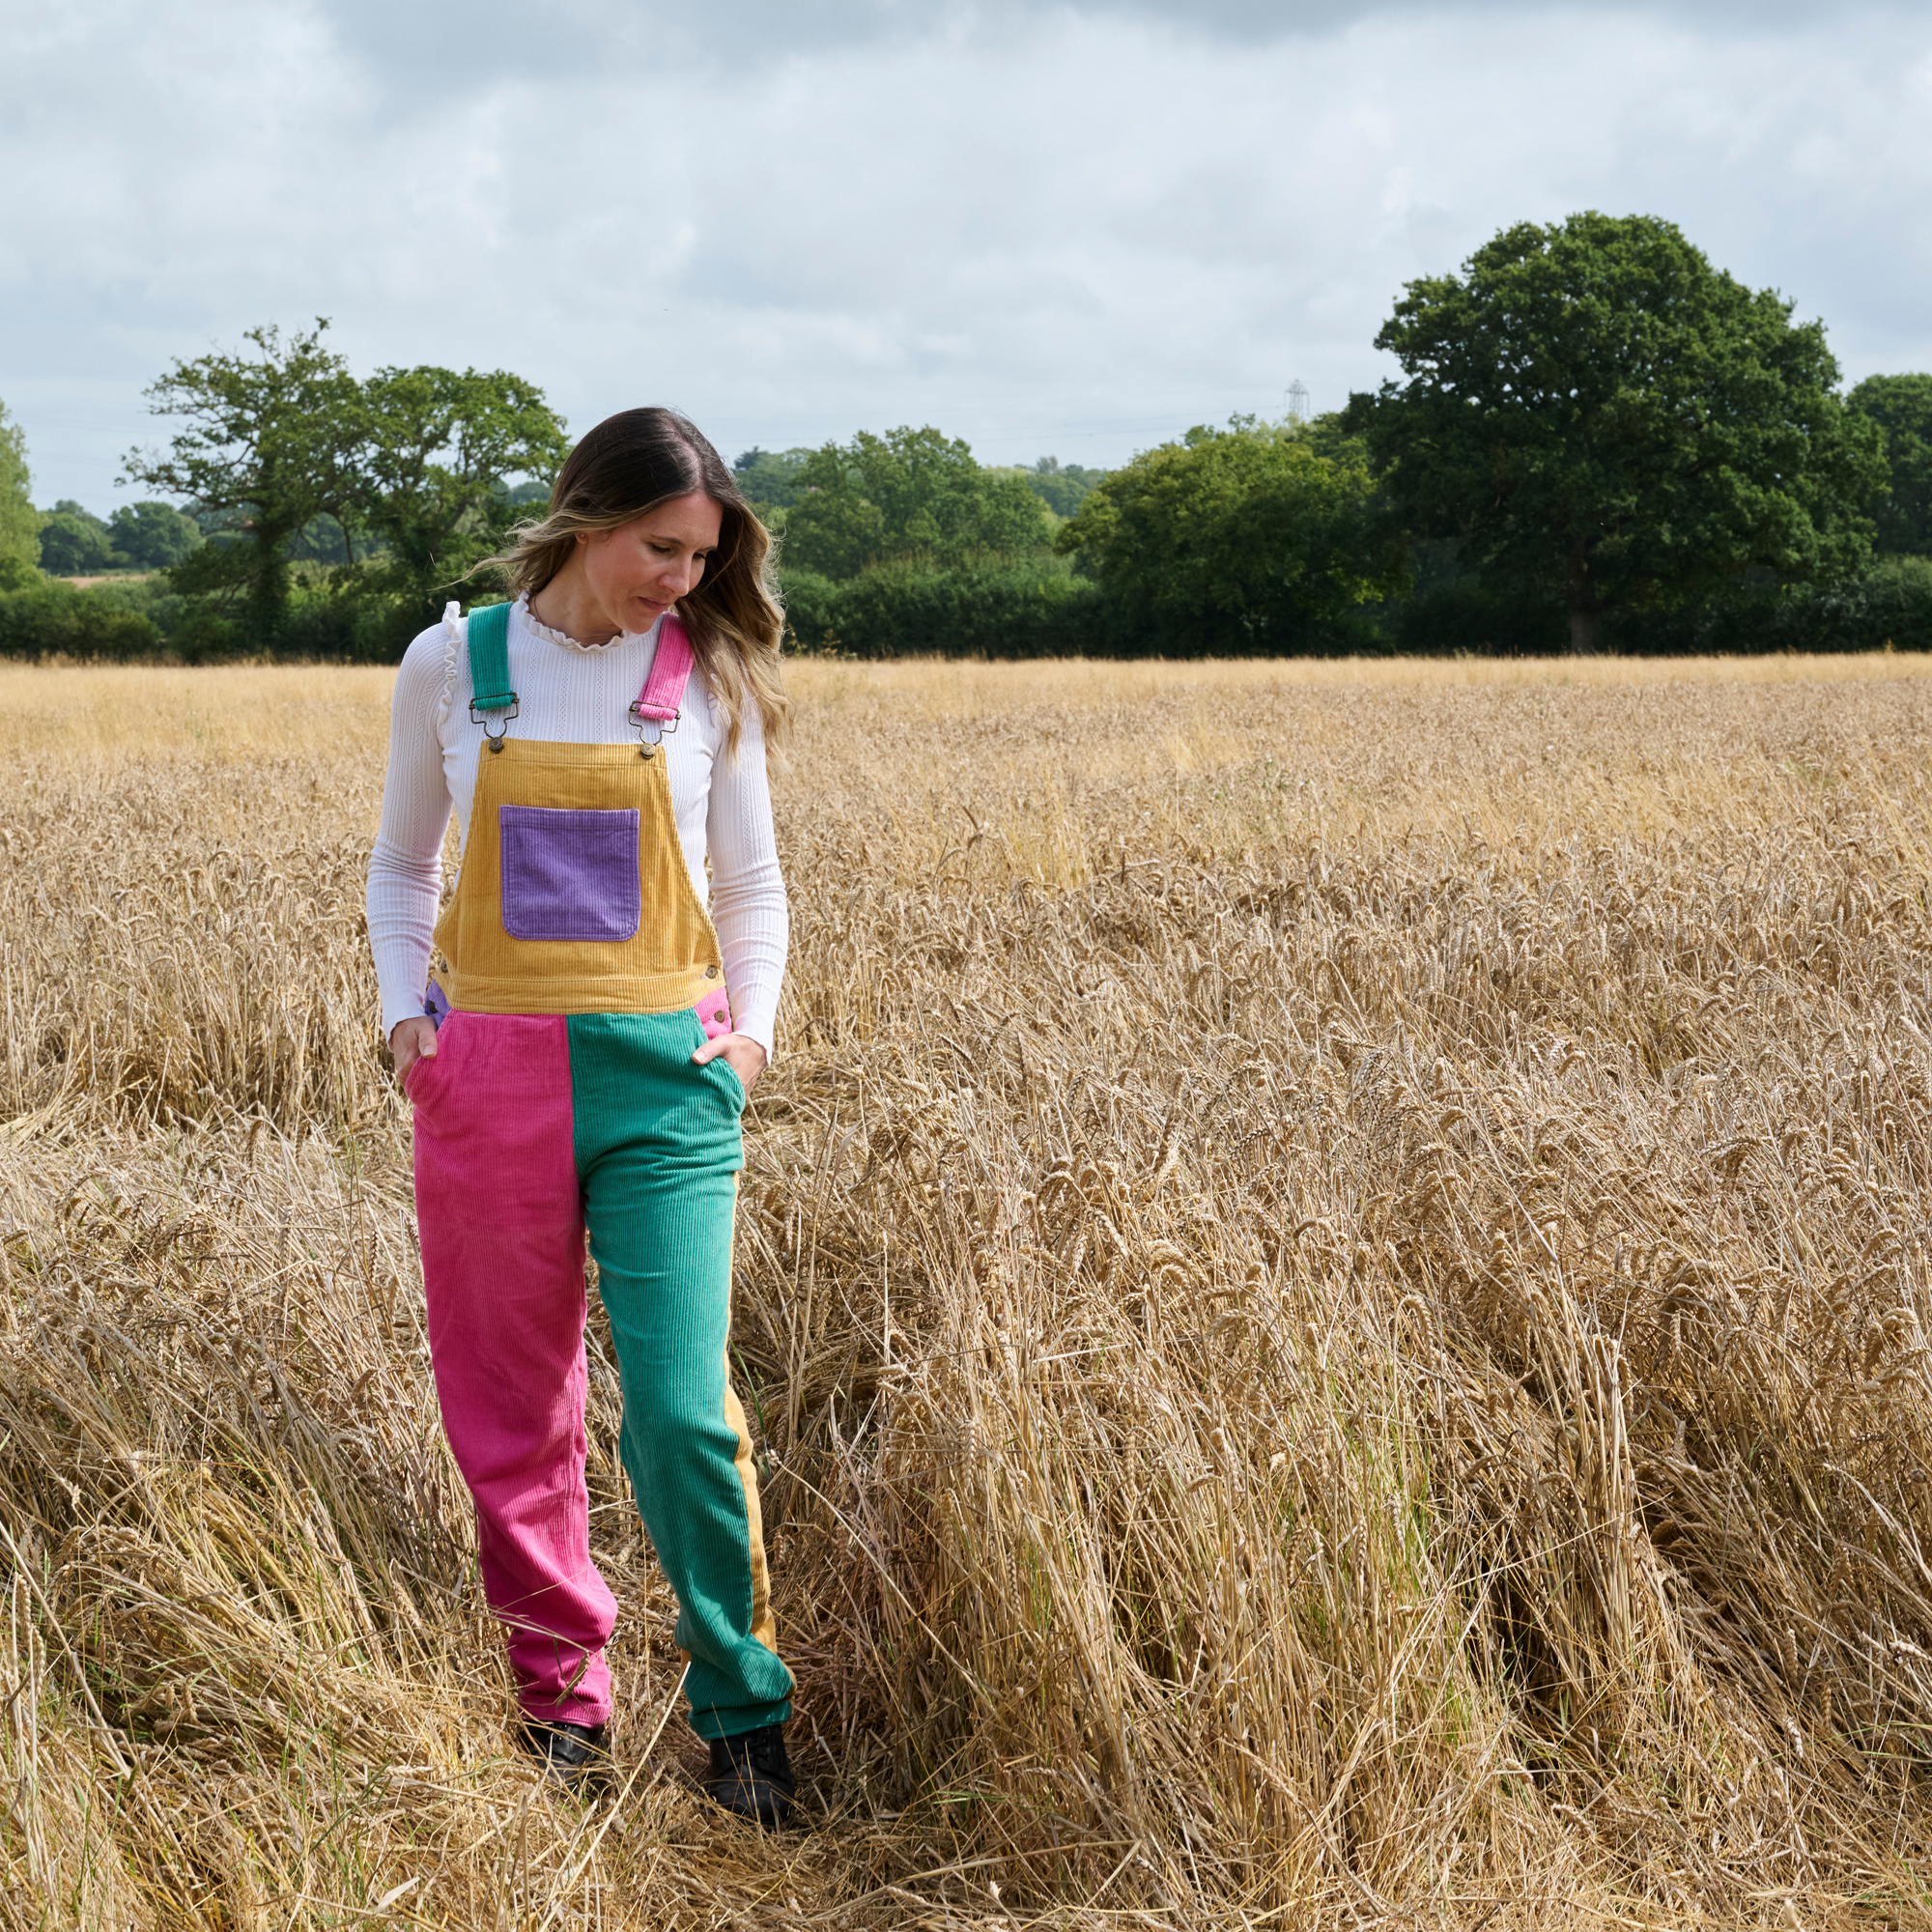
1333,1276
107,577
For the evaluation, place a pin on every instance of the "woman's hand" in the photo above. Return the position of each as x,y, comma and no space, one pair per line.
411,1040
743,1054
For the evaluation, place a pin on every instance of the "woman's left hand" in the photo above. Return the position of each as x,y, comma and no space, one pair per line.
745,1056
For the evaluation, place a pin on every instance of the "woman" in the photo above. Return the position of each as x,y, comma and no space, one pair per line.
582,1059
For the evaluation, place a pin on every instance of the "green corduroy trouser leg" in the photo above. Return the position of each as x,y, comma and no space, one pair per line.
658,1151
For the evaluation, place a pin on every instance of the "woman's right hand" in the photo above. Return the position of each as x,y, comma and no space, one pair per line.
410,1042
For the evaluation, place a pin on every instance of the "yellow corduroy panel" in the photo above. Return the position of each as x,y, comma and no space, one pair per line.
764,1621
674,959
764,1624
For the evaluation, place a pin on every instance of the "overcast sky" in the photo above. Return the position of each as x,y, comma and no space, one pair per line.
1070,230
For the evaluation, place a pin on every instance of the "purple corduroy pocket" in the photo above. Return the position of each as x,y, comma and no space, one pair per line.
569,874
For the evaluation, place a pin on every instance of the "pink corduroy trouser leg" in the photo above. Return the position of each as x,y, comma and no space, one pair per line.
500,1214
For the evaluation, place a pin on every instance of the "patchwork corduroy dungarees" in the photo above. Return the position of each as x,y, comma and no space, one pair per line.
583,973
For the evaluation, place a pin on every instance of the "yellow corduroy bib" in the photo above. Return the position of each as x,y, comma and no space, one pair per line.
550,914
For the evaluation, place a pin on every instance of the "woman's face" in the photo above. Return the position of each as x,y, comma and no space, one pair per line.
638,571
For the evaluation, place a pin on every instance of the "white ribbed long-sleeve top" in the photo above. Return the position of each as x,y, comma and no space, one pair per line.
575,694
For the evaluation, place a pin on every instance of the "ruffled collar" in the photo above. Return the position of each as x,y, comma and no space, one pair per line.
539,628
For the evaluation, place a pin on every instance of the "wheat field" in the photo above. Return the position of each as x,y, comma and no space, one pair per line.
1333,1280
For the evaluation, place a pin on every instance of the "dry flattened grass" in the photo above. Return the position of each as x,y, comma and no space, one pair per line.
1333,1276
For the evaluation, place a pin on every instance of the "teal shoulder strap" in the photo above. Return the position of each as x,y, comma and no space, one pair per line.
489,662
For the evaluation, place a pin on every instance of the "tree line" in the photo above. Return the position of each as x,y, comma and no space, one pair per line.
1597,439
322,516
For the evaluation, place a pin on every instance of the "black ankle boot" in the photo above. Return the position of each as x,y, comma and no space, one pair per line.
574,1756
750,1775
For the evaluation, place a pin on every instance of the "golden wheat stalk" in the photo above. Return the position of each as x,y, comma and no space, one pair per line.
1332,1281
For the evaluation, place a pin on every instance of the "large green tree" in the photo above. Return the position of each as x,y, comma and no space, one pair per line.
769,478
20,521
269,441
1062,487
151,535
1255,538
1902,408
1591,410
74,542
910,493
436,450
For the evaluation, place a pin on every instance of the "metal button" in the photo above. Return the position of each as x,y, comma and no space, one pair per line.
711,972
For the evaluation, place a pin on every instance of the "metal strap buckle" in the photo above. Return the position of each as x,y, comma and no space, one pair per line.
642,724
495,740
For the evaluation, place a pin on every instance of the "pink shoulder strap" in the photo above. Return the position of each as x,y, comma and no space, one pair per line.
670,671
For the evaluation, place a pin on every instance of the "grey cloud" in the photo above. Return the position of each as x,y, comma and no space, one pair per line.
426,45
1079,236
1261,20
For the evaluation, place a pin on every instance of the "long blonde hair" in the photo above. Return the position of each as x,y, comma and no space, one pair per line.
627,465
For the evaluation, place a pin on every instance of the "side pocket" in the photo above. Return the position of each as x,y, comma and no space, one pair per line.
416,1081
721,1070
713,1013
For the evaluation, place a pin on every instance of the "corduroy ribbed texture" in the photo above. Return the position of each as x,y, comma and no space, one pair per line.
658,1151
501,1227
527,1127
670,959
569,695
